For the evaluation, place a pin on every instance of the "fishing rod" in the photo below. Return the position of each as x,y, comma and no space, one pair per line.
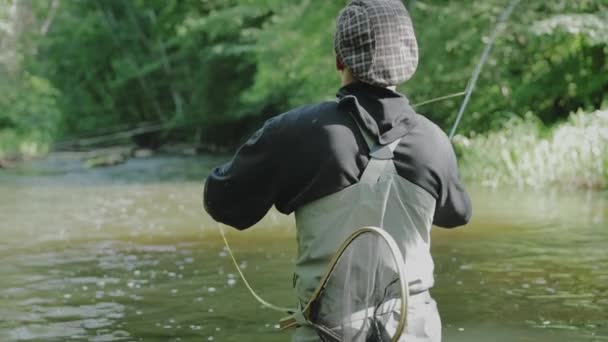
500,26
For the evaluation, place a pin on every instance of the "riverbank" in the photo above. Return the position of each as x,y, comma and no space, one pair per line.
526,154
15,149
94,157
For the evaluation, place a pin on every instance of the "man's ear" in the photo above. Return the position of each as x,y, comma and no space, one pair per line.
339,64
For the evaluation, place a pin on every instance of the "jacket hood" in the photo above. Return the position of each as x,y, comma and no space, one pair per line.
386,114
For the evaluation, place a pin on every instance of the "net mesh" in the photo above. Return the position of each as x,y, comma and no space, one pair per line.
362,297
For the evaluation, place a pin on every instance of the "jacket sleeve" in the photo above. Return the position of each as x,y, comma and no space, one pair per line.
453,206
240,192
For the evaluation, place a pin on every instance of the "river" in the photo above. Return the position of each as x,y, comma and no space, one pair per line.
126,253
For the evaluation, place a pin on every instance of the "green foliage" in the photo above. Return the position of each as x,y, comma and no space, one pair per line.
212,70
28,114
295,58
542,63
573,154
173,62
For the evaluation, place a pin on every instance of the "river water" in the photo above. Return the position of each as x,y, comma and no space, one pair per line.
126,253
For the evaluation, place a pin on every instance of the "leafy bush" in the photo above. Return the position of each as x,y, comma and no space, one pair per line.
573,154
550,60
117,63
28,115
213,70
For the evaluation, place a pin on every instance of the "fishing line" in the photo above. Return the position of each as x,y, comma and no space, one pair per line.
251,290
500,26
441,98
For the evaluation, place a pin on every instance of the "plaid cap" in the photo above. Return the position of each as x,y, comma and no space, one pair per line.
375,39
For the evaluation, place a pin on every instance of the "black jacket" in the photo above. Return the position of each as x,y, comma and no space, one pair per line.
316,150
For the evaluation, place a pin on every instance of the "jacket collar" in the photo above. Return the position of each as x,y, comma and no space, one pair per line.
386,114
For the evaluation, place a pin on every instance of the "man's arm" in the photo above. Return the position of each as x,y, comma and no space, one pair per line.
453,206
240,192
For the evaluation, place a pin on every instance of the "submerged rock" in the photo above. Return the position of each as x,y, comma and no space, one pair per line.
180,149
105,160
108,157
10,161
143,153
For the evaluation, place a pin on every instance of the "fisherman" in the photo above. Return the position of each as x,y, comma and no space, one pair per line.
315,159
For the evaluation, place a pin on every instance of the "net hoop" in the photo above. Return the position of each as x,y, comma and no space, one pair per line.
292,322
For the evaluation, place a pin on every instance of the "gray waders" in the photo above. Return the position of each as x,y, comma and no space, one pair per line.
382,199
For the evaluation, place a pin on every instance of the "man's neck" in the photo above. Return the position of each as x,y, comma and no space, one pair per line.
346,77
344,84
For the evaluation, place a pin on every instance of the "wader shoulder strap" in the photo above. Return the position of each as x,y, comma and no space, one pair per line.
381,157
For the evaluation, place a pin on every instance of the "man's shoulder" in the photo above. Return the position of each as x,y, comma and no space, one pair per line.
432,132
310,110
303,117
424,154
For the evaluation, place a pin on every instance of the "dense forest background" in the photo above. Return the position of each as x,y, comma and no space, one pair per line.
209,71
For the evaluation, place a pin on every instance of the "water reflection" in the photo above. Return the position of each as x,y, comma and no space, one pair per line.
125,254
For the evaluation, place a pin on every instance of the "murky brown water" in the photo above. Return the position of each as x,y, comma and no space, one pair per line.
127,254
